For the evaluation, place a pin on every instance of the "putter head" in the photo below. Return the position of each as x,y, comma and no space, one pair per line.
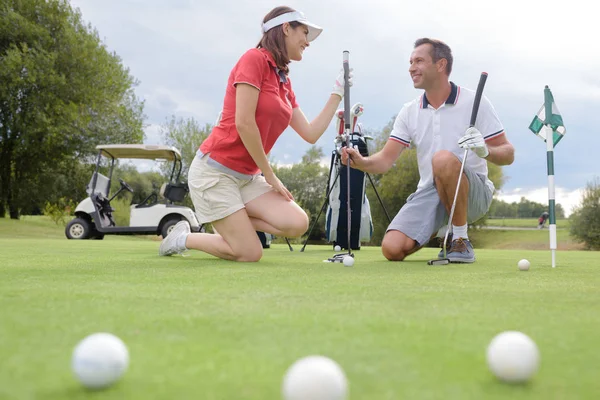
439,261
339,257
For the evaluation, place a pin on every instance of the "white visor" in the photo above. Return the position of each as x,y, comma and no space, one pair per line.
313,30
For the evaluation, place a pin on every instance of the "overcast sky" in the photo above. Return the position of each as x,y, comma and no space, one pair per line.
182,52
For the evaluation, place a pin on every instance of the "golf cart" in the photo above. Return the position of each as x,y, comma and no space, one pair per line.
155,215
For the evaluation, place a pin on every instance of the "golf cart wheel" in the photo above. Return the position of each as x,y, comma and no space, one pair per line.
78,228
168,227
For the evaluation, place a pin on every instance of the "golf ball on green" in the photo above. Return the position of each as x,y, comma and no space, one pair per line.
337,248
348,261
524,265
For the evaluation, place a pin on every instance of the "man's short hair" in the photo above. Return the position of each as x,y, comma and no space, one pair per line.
440,50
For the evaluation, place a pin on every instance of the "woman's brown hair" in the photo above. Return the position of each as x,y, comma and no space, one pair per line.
274,39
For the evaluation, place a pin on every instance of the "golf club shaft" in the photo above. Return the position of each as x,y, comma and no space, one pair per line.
347,129
462,166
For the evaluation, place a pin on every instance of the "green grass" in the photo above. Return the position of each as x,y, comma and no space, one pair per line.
198,327
536,239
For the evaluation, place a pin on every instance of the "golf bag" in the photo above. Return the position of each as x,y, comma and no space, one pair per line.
265,239
336,222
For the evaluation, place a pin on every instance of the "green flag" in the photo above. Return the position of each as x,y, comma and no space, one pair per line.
555,121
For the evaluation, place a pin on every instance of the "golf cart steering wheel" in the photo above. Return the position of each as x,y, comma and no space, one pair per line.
125,185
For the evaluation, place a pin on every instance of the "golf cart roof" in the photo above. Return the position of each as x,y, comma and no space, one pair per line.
142,151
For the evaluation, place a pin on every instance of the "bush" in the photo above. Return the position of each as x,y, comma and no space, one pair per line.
585,220
58,212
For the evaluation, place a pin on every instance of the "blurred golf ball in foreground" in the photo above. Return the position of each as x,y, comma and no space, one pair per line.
99,360
513,357
315,378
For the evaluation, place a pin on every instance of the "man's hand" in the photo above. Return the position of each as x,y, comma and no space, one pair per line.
473,139
338,86
357,161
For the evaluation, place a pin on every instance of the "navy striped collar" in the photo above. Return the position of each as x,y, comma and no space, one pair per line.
452,99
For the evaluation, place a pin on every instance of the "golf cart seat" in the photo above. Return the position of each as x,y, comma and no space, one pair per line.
102,185
104,209
174,192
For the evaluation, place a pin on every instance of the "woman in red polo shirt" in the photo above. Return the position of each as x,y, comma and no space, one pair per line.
231,181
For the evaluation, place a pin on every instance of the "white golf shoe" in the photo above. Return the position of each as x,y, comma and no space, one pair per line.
169,245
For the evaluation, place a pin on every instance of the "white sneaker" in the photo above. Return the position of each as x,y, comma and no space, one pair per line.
169,244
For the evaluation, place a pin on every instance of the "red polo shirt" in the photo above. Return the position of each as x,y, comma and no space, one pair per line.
276,101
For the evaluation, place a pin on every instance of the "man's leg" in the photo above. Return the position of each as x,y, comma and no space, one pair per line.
414,225
396,246
446,167
473,201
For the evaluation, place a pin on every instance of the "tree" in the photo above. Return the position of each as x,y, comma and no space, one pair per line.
62,93
585,219
186,135
523,209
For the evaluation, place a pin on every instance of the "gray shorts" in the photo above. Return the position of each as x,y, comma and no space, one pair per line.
424,214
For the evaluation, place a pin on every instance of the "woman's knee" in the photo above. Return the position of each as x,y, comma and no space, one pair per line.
249,253
296,225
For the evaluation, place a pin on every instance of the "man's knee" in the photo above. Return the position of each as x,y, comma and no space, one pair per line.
445,163
396,246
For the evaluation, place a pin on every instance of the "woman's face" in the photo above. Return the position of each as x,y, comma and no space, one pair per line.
295,41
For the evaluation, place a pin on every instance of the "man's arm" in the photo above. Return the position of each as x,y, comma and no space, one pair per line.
497,150
501,151
377,163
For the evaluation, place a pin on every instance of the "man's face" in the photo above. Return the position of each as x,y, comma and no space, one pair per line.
423,70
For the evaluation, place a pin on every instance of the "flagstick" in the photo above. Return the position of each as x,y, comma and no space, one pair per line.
550,162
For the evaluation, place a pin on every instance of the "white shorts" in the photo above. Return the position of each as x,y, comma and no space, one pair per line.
424,213
217,194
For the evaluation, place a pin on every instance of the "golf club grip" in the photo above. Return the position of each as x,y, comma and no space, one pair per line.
477,100
346,90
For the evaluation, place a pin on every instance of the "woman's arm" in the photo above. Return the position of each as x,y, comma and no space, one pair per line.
246,99
312,131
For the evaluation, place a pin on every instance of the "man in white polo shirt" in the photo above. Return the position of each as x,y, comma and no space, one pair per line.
437,125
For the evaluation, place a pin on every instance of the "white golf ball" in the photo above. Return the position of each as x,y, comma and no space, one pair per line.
337,248
348,261
99,360
513,357
315,378
524,265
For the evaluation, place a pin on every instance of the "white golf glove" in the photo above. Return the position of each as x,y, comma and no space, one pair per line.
338,86
473,139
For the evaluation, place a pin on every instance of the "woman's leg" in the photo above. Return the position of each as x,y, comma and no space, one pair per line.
237,239
271,213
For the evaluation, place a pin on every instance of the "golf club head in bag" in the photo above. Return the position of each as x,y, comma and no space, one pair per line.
356,111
